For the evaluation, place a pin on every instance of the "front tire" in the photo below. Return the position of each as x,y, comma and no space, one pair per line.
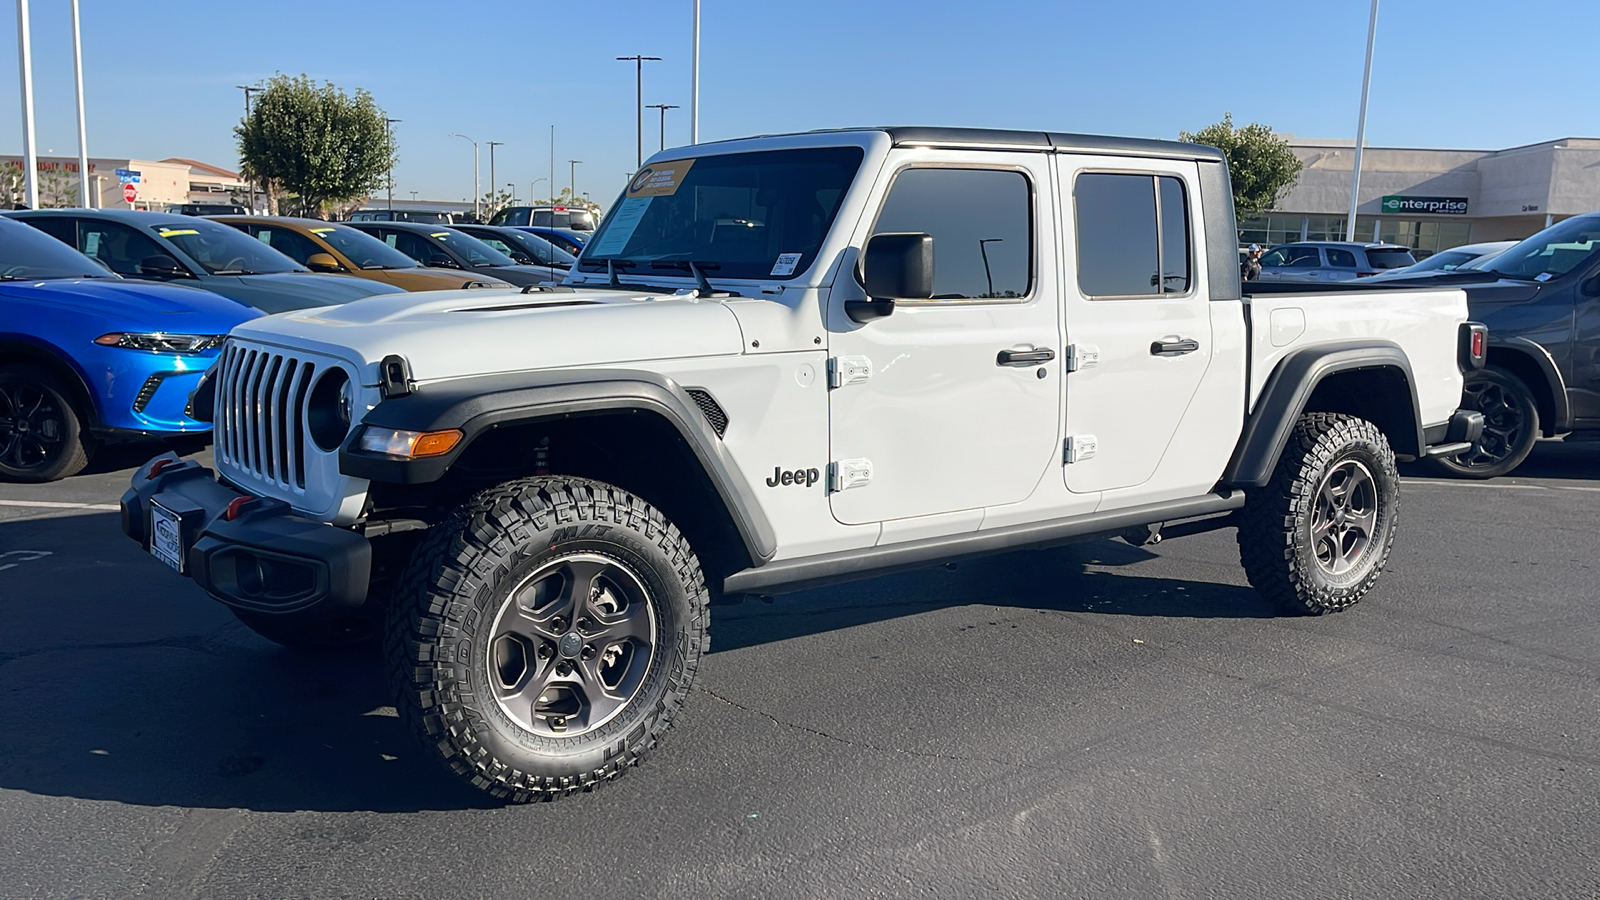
1510,426
42,434
1315,539
545,636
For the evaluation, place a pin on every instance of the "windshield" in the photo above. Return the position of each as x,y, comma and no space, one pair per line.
1444,261
744,215
477,254
363,250
1551,253
543,252
222,250
28,254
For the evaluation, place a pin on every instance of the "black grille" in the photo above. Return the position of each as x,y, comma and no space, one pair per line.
148,391
710,409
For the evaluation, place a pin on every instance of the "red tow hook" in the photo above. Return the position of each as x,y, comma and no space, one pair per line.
234,505
160,466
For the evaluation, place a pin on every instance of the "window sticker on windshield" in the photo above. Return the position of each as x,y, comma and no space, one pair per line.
786,263
174,232
659,180
91,243
620,226
1542,276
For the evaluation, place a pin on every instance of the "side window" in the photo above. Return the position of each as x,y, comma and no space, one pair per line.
411,245
1341,259
1304,258
287,242
1133,235
982,226
118,246
61,228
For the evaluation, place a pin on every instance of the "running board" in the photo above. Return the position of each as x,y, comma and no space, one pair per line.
1448,449
782,576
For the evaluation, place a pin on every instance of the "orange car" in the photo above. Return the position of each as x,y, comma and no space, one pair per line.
331,247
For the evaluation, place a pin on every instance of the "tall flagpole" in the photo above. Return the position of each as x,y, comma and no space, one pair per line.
1361,126
30,152
694,81
83,134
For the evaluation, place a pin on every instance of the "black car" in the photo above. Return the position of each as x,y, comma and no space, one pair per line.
427,217
1541,301
530,249
549,216
442,247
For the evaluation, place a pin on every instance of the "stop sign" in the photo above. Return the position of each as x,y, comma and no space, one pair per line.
130,193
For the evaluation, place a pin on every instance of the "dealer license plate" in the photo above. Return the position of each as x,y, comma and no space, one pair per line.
166,536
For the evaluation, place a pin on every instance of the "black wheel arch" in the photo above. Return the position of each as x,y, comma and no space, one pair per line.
640,422
1532,364
1371,380
28,350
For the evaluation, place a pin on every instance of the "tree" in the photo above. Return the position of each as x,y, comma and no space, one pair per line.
1262,166
492,202
314,146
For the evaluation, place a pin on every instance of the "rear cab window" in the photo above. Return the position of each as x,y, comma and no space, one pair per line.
1394,258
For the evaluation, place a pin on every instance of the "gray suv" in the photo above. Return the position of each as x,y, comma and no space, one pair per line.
1332,261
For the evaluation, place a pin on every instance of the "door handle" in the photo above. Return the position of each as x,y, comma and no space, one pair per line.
1174,347
1023,358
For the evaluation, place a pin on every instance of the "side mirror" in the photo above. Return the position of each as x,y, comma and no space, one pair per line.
323,262
894,267
522,259
161,266
440,261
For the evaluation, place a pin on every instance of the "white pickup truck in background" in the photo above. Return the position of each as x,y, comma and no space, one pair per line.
784,362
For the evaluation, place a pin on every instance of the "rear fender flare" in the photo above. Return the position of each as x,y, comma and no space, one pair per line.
1561,407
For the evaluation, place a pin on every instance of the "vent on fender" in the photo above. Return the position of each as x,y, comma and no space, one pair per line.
710,409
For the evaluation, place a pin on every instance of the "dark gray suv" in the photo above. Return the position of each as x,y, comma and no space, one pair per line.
1332,260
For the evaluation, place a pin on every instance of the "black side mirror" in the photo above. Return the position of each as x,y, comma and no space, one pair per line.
323,262
522,259
440,261
894,267
161,266
1591,288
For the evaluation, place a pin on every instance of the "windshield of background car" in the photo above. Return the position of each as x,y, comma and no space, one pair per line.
363,250
1551,253
475,252
1445,261
223,250
543,252
744,215
1390,259
28,254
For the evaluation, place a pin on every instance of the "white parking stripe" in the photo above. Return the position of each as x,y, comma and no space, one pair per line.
46,504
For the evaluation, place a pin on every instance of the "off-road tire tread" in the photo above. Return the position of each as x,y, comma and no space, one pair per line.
475,541
1270,518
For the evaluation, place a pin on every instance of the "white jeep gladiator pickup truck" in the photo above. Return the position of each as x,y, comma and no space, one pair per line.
783,362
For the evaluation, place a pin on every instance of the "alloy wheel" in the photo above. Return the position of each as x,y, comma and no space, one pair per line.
1344,520
32,427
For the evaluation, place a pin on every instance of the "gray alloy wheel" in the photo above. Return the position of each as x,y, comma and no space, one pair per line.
1510,426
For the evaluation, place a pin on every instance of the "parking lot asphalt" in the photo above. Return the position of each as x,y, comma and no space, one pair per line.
1095,720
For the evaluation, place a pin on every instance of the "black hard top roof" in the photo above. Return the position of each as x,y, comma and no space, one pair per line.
1002,139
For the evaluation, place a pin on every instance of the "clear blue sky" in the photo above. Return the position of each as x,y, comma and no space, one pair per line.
160,77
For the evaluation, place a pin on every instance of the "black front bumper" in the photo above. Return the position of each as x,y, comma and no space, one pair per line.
266,559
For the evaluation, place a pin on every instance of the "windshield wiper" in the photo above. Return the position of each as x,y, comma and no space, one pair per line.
697,269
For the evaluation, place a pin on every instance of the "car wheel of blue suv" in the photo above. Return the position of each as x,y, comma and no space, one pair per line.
42,435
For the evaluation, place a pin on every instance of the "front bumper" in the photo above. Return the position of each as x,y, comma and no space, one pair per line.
1460,433
266,559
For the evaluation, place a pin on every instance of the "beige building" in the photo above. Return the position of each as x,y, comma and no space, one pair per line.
1431,200
160,183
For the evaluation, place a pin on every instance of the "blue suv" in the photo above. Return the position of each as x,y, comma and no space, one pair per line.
87,357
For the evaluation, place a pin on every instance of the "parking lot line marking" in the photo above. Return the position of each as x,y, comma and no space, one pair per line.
47,504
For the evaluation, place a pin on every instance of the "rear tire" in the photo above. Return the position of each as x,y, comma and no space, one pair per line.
1510,426
1315,539
42,433
545,636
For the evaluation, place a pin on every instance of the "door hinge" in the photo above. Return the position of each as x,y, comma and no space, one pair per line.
843,370
845,474
1078,448
1082,356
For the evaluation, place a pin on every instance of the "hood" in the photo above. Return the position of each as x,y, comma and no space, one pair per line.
450,334
283,291
129,305
521,276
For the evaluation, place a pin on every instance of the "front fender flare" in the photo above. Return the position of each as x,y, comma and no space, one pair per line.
482,403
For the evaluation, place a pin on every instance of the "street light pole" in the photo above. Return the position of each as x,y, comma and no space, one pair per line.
388,125
983,248
251,183
533,192
474,171
663,107
1361,126
492,145
30,152
572,178
638,63
83,134
694,81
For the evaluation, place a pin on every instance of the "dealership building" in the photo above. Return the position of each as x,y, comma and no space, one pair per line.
1432,200
122,183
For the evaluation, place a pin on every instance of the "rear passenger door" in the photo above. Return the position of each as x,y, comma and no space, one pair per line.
1138,321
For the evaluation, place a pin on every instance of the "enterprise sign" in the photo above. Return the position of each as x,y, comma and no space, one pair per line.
1433,206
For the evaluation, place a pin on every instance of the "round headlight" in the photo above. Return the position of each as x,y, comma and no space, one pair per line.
330,409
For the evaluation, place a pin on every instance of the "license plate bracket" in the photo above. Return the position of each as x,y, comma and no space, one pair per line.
166,536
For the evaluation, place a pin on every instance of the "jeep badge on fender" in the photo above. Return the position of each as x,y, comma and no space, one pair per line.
802,477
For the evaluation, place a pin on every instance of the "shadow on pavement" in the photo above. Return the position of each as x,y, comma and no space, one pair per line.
1564,459
121,682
